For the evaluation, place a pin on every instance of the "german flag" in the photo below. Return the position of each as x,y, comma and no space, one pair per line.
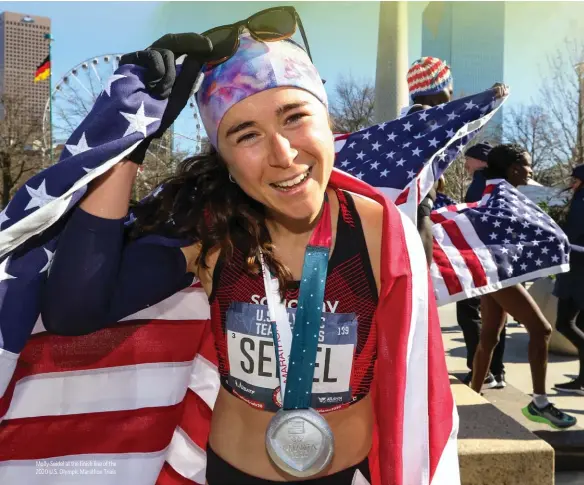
43,70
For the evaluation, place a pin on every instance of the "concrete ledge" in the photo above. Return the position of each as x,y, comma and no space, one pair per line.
494,449
568,444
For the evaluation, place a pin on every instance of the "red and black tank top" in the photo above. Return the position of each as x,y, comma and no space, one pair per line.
347,340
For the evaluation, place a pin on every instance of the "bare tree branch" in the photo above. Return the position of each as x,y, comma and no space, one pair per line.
20,143
352,107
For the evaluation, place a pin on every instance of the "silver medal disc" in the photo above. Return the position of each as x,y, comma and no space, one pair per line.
300,442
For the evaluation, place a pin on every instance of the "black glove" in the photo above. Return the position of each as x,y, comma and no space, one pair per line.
161,79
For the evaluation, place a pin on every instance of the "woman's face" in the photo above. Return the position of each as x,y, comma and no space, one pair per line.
520,172
279,149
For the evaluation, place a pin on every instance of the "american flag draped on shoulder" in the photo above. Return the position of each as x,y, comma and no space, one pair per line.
500,241
405,157
119,407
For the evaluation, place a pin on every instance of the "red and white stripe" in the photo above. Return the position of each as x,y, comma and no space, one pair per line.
449,212
417,440
117,395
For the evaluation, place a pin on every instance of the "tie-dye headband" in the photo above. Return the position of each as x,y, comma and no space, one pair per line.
255,67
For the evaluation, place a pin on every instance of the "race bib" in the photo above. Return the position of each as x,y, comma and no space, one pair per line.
253,368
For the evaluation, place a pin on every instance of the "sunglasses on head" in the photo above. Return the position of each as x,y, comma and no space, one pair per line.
270,25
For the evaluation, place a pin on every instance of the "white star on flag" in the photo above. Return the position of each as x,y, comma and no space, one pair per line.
112,79
138,122
81,146
3,274
49,260
469,105
3,217
38,196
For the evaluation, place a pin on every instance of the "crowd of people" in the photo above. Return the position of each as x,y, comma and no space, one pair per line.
274,234
483,319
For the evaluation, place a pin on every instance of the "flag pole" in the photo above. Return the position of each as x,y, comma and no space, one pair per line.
50,38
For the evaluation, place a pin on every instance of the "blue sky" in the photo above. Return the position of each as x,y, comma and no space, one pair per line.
342,35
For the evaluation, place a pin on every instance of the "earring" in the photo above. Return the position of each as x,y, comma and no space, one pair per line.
231,179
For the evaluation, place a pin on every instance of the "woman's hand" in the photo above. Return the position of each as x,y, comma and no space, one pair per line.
501,90
161,79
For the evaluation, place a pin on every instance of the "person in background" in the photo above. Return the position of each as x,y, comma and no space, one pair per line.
512,163
569,286
475,160
468,313
430,83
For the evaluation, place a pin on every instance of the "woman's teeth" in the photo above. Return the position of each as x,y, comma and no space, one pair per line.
295,181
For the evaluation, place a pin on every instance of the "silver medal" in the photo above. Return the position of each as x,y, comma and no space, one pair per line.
300,442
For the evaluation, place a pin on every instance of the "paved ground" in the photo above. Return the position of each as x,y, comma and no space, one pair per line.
560,369
570,478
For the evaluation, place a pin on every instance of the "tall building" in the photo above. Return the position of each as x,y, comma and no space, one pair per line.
23,47
470,37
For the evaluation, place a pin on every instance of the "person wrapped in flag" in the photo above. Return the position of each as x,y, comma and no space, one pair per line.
177,357
522,244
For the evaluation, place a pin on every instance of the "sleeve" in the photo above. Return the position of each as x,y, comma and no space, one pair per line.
425,207
574,227
97,278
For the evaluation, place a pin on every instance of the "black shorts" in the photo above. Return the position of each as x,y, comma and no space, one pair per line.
219,472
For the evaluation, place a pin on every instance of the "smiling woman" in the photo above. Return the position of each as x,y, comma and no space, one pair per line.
313,312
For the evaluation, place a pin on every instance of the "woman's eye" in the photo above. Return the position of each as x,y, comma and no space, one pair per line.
246,137
295,117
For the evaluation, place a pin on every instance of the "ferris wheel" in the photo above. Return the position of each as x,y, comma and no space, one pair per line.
75,93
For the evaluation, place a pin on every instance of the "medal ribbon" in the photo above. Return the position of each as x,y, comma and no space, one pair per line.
296,348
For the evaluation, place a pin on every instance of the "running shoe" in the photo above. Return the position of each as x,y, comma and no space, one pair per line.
549,415
500,379
572,387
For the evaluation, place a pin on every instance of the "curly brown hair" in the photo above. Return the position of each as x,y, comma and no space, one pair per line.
200,204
